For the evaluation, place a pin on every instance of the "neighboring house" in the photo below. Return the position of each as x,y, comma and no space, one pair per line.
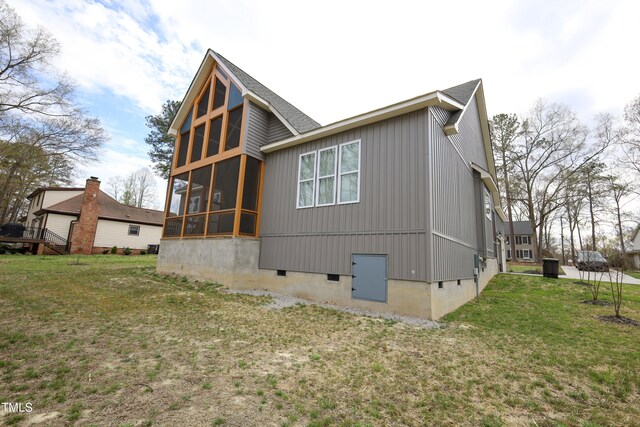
87,220
524,248
393,210
634,253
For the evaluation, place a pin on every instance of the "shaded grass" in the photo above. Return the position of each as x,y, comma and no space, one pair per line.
635,274
111,342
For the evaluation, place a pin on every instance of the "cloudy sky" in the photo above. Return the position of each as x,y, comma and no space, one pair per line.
335,59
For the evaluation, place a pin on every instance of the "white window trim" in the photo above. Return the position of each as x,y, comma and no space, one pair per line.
333,174
339,175
527,252
313,180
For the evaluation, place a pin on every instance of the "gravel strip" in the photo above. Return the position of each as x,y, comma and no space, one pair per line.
279,301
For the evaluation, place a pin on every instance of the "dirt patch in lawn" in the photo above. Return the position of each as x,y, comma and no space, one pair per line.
596,302
620,320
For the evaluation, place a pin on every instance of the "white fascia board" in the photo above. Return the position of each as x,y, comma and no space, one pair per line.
431,99
451,129
228,72
484,124
487,179
454,128
198,80
190,95
501,214
251,96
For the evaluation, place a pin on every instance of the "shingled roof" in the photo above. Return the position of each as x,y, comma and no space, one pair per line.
109,208
519,227
463,92
296,118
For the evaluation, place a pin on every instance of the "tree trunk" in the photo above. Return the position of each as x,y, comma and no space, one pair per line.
512,234
572,227
562,241
593,220
619,225
579,235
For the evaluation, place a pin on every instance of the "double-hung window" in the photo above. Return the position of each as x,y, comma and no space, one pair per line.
487,204
327,161
329,174
306,180
349,173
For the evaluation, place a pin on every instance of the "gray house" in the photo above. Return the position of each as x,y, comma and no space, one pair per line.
522,231
392,210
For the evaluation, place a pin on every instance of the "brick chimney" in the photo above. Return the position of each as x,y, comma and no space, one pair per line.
84,231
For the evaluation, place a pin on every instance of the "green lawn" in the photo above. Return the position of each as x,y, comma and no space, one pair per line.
635,274
531,268
104,340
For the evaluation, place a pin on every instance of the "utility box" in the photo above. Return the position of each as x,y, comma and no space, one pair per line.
550,267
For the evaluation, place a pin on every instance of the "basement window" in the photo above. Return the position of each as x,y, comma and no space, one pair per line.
281,273
333,277
440,285
134,230
459,282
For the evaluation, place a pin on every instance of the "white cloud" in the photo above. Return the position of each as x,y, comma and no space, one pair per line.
335,59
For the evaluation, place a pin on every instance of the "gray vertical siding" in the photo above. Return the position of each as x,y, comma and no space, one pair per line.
256,130
389,219
489,227
470,134
277,130
454,220
468,141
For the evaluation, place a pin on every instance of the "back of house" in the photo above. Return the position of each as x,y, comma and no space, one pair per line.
393,210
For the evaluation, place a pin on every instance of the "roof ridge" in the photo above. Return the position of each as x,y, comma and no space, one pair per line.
300,121
462,92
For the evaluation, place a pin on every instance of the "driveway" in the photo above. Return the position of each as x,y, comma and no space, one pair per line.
573,273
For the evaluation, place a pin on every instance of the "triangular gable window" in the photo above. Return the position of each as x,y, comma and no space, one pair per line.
203,105
235,97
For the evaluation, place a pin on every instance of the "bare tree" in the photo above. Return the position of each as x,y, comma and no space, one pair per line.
42,132
631,139
136,189
24,56
504,130
620,192
552,149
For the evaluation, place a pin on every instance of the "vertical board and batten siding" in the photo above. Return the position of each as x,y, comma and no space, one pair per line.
256,130
454,210
470,134
277,130
262,127
389,218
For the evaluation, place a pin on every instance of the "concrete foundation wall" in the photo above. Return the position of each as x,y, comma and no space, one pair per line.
405,297
230,261
233,262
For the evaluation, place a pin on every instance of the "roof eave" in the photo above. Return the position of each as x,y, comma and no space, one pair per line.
436,98
199,79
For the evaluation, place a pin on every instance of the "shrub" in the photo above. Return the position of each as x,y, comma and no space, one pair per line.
126,251
105,251
143,252
114,250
